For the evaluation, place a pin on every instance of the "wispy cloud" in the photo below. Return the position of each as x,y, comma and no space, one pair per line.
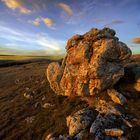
30,41
50,43
47,21
136,40
5,29
16,5
80,11
66,8
115,22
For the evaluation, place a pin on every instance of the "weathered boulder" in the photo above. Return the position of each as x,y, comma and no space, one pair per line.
94,62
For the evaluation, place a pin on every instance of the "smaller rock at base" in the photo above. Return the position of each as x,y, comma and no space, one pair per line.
27,96
80,121
29,120
47,105
116,96
114,132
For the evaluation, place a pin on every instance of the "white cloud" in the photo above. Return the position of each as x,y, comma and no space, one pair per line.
65,7
16,4
47,21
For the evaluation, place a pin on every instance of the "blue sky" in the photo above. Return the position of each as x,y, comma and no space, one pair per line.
42,27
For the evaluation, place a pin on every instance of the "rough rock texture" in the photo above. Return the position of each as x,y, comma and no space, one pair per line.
103,122
94,62
103,127
104,107
80,121
116,96
111,123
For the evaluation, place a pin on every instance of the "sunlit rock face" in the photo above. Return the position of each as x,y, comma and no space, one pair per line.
94,62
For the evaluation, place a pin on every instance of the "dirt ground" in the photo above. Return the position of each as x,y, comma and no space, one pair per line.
26,119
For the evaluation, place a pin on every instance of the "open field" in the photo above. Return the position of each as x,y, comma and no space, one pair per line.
26,119
16,57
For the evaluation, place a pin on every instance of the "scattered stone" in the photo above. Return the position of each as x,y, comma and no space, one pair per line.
37,104
94,62
43,98
27,88
27,96
114,132
47,105
29,120
116,96
80,121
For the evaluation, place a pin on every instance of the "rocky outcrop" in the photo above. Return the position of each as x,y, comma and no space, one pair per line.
94,62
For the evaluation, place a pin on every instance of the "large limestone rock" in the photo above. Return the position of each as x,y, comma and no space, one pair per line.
94,62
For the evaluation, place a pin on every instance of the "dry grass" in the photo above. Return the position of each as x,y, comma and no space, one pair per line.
16,57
